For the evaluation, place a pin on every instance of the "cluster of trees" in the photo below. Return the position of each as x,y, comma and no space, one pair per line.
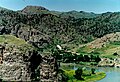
79,73
68,57
99,26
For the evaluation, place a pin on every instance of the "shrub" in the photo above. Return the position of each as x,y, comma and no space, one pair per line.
63,77
93,70
78,74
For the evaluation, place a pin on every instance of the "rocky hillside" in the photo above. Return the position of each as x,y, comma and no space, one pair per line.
77,15
15,59
43,29
74,14
35,29
38,29
34,9
100,42
20,61
106,46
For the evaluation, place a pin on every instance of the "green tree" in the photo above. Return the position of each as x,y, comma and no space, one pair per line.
78,74
93,70
86,58
97,59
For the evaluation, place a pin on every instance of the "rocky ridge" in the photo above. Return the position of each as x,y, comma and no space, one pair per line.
103,41
13,65
21,62
44,29
33,9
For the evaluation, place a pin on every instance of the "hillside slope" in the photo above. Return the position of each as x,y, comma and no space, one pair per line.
46,30
77,15
105,46
39,29
74,14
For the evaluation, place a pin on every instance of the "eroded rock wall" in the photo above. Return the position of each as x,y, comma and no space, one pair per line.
29,66
48,69
13,67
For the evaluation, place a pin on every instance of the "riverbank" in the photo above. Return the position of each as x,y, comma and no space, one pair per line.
70,68
87,76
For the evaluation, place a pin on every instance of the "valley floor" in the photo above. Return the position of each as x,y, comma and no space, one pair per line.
87,77
69,70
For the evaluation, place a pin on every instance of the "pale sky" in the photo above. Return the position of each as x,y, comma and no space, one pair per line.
96,6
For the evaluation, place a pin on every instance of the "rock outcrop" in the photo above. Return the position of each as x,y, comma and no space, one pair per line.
33,9
20,61
15,59
106,62
12,66
48,69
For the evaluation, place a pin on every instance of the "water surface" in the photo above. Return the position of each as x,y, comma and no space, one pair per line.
112,73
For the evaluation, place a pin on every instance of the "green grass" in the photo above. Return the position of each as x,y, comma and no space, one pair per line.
88,63
106,51
87,76
11,41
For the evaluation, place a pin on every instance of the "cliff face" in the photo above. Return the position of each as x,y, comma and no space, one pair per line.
48,69
13,68
19,61
15,55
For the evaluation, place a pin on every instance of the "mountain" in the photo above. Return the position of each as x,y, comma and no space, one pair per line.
99,26
78,15
45,29
75,14
1,8
38,29
26,33
33,9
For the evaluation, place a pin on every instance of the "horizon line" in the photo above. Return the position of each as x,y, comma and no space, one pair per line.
62,10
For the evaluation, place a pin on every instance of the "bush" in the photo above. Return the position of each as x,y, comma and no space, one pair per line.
63,77
97,59
93,70
78,74
115,54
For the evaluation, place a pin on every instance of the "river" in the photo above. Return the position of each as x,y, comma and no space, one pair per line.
112,73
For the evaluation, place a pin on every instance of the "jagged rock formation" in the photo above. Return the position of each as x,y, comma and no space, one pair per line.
15,59
12,66
20,61
46,28
48,69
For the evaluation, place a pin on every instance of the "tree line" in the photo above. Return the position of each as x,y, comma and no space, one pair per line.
69,57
